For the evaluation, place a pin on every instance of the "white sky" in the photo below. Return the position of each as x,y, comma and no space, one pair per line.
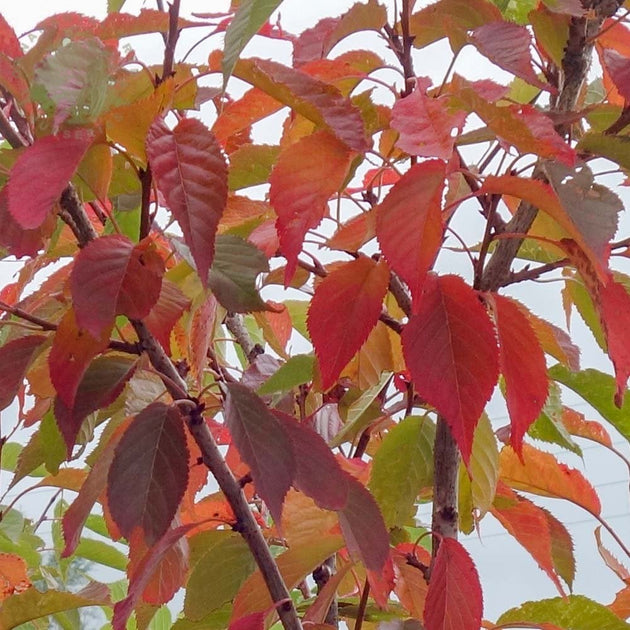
509,575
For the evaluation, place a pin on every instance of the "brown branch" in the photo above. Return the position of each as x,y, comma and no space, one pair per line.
146,181
235,325
11,135
171,39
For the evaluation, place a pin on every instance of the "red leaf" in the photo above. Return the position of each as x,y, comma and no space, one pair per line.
613,301
425,124
363,527
508,46
117,25
415,202
9,43
307,174
146,569
40,175
166,312
15,357
73,349
101,384
454,599
149,474
343,311
262,443
522,363
576,424
317,101
542,474
529,526
110,277
556,342
191,174
318,474
254,621
200,336
451,351
18,241
618,67
93,486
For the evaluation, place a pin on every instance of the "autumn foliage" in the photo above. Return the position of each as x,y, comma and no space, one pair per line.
263,305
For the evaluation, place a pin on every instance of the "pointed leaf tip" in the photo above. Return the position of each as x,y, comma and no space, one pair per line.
191,173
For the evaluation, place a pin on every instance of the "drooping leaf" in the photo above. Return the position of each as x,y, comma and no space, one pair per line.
339,326
528,524
576,424
508,45
249,17
320,102
541,473
31,199
402,467
112,276
454,599
235,268
450,349
476,492
220,561
263,444
415,201
593,208
307,174
573,611
424,124
149,472
522,363
15,357
73,349
363,527
598,389
191,173
101,384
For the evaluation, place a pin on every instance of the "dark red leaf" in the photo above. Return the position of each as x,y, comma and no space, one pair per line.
307,174
508,45
149,474
451,351
112,276
425,124
317,101
343,311
73,349
17,240
15,357
415,202
454,599
363,527
318,474
101,384
41,173
191,174
522,363
263,444
166,312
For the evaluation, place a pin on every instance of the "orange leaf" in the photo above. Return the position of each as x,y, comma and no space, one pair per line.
451,351
541,473
344,309
13,575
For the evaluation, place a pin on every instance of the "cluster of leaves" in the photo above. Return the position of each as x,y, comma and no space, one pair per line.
148,344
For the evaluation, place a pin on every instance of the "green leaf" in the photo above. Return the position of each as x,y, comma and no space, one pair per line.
598,389
114,5
614,148
233,274
217,620
31,604
9,456
251,164
402,467
585,307
250,16
478,489
221,563
101,552
549,427
296,371
574,612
